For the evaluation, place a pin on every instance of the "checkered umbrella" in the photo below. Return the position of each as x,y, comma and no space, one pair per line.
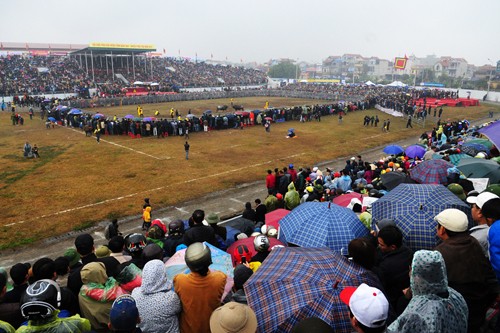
413,208
431,172
319,224
297,283
474,148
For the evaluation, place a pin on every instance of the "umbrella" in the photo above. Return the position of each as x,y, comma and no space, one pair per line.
207,112
485,142
431,172
137,119
345,199
492,132
75,111
456,158
189,115
129,116
413,208
221,261
149,119
391,180
249,244
415,151
52,119
273,218
319,224
242,224
393,150
99,115
242,113
297,283
480,168
268,118
474,148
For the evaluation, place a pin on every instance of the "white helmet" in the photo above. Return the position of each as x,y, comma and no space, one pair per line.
261,243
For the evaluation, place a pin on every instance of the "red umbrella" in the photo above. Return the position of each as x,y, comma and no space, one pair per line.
273,218
242,113
268,118
249,243
345,199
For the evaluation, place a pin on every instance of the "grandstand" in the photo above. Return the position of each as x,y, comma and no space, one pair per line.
109,68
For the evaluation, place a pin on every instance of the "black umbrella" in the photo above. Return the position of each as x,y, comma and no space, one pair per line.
392,179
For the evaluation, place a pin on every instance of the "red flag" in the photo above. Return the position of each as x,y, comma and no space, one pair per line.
400,63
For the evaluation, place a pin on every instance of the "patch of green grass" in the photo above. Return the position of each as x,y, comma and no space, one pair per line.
113,215
84,225
16,243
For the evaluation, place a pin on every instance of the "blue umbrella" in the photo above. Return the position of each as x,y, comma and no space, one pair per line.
99,115
474,148
413,208
393,150
320,224
207,112
297,283
456,158
75,111
52,119
415,151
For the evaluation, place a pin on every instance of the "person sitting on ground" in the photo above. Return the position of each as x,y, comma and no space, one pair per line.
200,291
40,305
233,317
124,315
157,303
368,308
434,307
249,212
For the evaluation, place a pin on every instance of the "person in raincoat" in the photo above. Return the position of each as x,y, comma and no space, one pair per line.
159,306
434,307
292,197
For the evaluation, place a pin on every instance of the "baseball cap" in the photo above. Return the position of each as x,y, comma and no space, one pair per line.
481,199
458,190
368,304
124,313
453,220
233,317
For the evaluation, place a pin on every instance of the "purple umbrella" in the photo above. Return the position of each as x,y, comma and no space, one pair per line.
129,116
415,151
431,172
99,115
492,132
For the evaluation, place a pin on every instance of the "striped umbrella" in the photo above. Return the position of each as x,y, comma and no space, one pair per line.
431,172
320,224
413,208
297,283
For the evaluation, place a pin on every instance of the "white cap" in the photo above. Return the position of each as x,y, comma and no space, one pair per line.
353,158
368,304
453,220
481,199
315,169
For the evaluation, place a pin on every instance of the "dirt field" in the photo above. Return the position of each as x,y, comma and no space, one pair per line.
77,182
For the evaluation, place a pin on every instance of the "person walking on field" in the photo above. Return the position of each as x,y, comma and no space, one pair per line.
186,148
408,123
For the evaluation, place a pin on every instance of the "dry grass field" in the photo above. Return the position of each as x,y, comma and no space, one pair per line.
77,182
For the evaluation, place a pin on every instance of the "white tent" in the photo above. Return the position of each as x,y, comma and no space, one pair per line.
370,83
397,84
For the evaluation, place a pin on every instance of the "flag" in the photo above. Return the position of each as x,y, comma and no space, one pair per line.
211,55
400,63
164,51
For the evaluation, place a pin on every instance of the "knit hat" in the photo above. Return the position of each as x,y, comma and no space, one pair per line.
233,317
124,314
72,256
453,220
368,304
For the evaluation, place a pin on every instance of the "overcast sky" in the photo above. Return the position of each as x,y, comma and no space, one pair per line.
260,30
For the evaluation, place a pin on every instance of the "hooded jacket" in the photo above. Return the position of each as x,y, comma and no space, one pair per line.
73,324
292,197
157,303
434,307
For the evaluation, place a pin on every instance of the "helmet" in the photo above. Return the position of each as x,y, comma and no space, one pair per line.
272,232
40,300
135,242
198,257
263,229
240,252
290,166
176,227
261,243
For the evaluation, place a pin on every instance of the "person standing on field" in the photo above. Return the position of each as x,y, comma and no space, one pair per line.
186,148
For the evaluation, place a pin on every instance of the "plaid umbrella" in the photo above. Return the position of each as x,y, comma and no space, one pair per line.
431,172
415,151
479,168
393,149
297,283
485,142
413,208
319,224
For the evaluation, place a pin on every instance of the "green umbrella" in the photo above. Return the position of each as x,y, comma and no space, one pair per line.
484,142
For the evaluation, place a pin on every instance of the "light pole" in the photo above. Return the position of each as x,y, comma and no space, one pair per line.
489,77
